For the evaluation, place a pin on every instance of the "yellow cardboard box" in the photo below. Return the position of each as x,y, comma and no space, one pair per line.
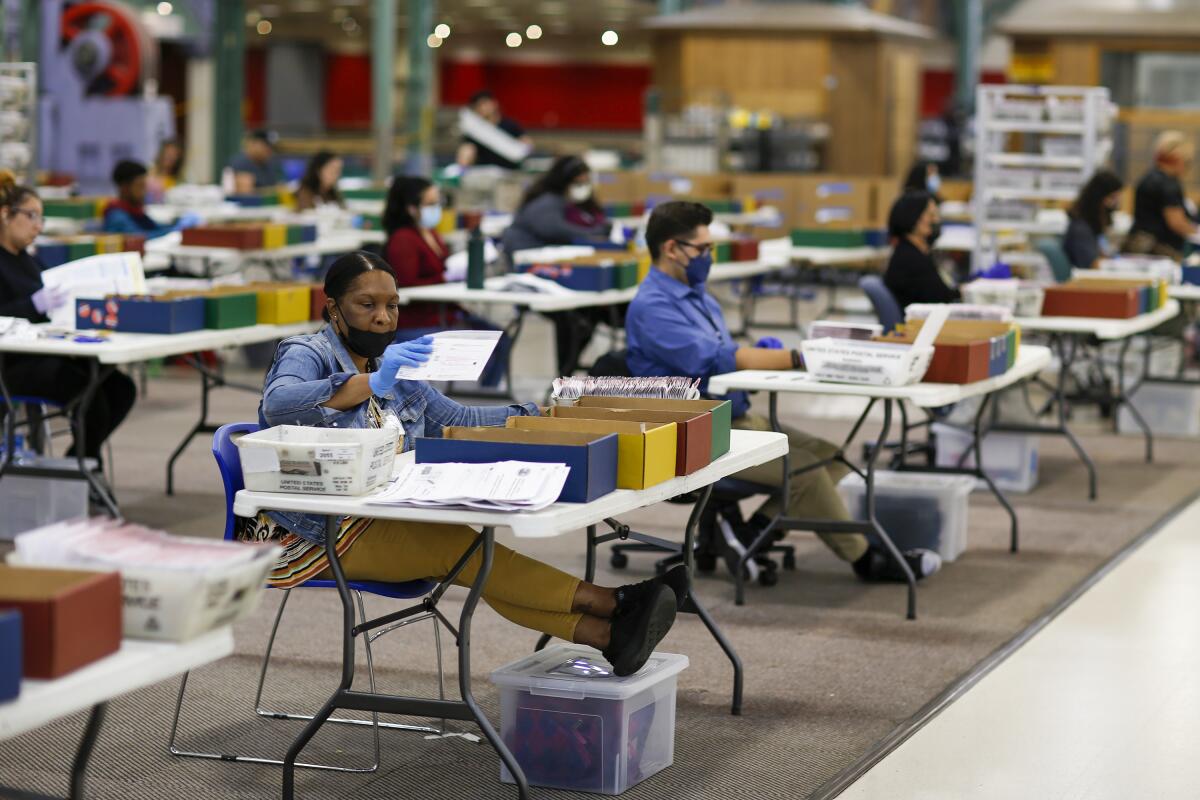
274,236
282,303
109,243
645,450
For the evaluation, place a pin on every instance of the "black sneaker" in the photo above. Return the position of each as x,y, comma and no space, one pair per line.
632,595
637,632
876,566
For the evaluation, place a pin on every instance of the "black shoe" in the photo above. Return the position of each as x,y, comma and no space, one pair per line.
636,633
876,566
632,595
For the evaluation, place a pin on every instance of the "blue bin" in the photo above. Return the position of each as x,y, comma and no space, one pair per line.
10,654
141,314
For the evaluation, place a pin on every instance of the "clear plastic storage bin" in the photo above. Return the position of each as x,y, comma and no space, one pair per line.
295,458
916,510
1168,410
572,724
30,503
1010,459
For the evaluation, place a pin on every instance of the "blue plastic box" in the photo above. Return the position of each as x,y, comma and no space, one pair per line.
1191,275
582,278
10,654
53,254
141,314
591,457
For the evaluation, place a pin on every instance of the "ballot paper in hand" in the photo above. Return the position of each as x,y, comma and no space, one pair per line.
500,486
456,356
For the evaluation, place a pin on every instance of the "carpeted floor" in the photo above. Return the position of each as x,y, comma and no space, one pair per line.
832,666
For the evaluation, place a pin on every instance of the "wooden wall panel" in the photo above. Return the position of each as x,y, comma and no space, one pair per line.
902,66
1076,63
856,115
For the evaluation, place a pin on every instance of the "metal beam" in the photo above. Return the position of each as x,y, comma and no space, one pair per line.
418,108
383,79
229,53
969,30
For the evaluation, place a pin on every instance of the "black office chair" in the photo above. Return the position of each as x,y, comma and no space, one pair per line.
722,529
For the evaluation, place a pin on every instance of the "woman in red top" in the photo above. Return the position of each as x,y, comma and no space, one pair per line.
417,255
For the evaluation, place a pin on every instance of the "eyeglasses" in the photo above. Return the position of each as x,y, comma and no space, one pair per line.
36,217
702,249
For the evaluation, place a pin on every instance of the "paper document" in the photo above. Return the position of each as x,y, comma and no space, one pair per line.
492,136
456,356
94,277
500,486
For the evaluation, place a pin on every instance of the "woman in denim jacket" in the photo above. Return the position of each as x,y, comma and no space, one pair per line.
339,377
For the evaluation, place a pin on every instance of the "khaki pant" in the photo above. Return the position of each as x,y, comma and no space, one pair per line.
531,594
813,494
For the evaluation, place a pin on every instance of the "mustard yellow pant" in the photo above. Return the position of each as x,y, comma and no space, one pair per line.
812,494
527,592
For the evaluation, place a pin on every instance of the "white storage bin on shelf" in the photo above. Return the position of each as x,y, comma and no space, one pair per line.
1019,110
1011,211
571,724
295,458
1062,146
1063,110
30,502
1013,178
1061,181
1021,298
1169,410
916,510
1010,459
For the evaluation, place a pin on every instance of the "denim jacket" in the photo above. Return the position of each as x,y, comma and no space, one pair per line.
309,369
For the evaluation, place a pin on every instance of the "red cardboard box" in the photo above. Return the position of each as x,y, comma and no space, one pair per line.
1077,301
317,312
239,237
693,448
69,618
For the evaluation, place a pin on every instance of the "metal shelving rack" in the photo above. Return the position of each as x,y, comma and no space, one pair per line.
1034,145
18,120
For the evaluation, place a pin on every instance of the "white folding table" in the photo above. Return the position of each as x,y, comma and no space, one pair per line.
747,449
1067,334
232,260
1030,361
136,665
131,348
815,260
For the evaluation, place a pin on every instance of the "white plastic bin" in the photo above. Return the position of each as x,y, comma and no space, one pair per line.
1168,410
916,510
30,502
1010,459
573,725
295,458
1062,146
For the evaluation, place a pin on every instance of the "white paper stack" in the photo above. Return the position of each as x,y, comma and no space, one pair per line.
573,387
499,486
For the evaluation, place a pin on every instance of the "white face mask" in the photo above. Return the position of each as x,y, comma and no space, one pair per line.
431,216
579,192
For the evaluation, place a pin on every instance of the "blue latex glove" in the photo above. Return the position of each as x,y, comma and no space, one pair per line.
413,353
769,343
187,221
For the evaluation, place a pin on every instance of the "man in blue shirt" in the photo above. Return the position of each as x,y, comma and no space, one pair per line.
674,327
256,166
127,213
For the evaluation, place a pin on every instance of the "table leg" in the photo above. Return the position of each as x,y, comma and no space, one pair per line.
9,422
888,544
1124,398
96,376
977,446
84,754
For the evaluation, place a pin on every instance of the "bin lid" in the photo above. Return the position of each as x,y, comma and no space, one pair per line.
578,671
914,483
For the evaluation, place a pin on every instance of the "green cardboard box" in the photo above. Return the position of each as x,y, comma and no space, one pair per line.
821,237
721,410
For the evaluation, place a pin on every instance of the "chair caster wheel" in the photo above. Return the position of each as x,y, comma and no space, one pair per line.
768,577
619,560
706,563
789,561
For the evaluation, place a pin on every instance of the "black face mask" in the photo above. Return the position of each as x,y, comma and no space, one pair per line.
935,231
367,344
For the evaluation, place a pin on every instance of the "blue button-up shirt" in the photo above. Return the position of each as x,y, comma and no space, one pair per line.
675,329
309,369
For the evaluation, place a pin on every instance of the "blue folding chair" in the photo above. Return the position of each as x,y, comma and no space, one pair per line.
230,465
38,413
883,301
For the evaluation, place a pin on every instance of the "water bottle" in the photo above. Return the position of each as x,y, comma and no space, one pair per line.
475,259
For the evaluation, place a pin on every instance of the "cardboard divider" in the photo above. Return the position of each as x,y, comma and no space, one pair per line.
721,410
592,457
693,445
645,450
69,618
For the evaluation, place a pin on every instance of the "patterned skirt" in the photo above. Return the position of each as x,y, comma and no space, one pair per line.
301,559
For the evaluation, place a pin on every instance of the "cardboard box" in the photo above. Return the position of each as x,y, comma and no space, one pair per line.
1073,300
69,618
966,351
133,243
666,186
74,208
223,309
832,201
645,450
693,445
317,302
238,237
778,190
80,247
884,193
274,236
53,254
809,237
282,303
140,314
110,243
595,273
10,654
721,410
592,457
620,188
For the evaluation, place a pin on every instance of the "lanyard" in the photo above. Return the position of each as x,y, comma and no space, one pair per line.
704,310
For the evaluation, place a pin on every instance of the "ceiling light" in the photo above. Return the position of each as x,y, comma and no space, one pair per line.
609,38
264,27
252,17
533,32
442,31
513,40
433,40
165,8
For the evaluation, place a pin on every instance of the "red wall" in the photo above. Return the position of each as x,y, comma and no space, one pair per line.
347,91
567,96
254,104
937,89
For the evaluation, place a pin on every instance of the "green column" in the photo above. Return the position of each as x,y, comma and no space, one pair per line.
969,30
418,109
229,53
670,6
383,72
31,32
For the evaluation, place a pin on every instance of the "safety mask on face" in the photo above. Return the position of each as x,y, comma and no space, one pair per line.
431,216
368,344
579,192
698,268
933,183
935,231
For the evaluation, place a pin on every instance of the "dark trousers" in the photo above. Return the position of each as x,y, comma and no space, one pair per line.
62,381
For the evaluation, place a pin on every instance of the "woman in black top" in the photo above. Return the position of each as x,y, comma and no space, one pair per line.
924,177
1162,222
912,276
61,380
1085,242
